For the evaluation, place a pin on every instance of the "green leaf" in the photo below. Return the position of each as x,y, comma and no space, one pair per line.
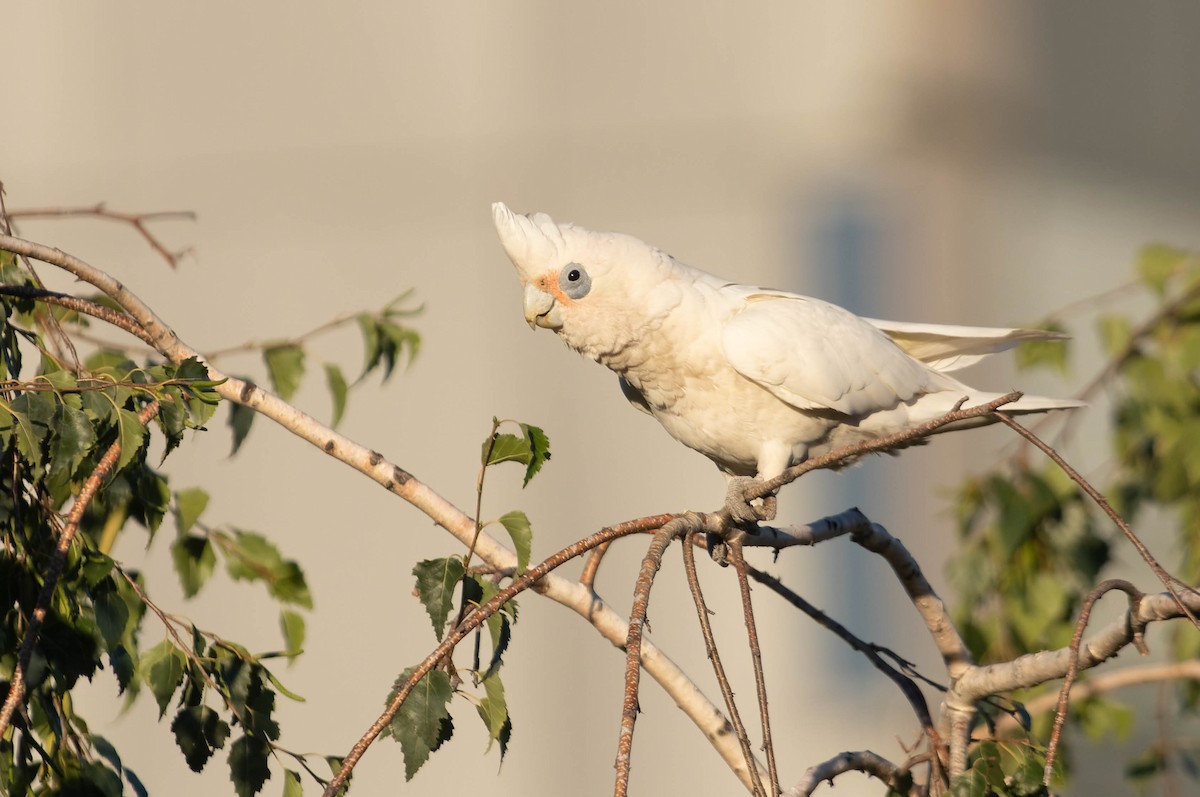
539,450
517,525
531,449
74,439
1115,333
189,505
291,784
293,627
112,618
1157,263
248,765
423,722
436,580
493,710
251,556
199,732
162,667
241,418
337,391
499,625
288,693
285,365
506,448
132,435
1044,353
194,562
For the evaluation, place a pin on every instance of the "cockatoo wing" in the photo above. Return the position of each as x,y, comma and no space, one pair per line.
814,355
947,348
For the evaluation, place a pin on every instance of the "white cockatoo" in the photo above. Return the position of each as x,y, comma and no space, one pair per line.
757,380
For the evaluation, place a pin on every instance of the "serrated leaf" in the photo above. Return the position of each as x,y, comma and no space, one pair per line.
493,710
506,448
74,439
194,561
199,732
112,618
248,765
161,668
294,630
132,435
539,450
516,523
189,505
436,581
285,366
337,392
419,724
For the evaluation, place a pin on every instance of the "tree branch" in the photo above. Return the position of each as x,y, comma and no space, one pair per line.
858,761
760,683
1035,668
710,645
575,596
136,220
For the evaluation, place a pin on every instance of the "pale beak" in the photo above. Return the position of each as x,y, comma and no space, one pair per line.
541,309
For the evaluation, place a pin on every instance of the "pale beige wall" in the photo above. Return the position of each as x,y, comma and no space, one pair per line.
337,154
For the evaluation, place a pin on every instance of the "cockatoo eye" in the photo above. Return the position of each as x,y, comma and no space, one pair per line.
574,281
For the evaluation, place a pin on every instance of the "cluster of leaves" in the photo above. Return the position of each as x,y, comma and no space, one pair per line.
424,723
1033,546
387,342
55,427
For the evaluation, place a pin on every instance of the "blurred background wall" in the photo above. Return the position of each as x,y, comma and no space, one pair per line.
947,162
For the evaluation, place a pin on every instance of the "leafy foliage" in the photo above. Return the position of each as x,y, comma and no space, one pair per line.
1033,546
424,723
56,424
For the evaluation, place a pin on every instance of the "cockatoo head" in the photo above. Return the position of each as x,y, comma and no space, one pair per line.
595,289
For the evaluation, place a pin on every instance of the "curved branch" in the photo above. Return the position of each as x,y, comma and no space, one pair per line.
858,761
1107,682
1036,668
575,596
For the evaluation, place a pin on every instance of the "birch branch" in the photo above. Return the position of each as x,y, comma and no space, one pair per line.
579,598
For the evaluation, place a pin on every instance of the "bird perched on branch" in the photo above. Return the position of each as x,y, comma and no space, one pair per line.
756,380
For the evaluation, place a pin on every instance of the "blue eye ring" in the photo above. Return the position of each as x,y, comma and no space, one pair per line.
574,281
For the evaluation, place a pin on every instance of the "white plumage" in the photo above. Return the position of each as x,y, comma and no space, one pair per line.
754,379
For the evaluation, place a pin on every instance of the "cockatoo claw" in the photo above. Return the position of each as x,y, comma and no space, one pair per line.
743,513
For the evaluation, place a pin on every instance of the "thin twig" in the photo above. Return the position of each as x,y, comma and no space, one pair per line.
591,565
907,686
1188,670
760,682
187,651
136,220
710,645
633,641
472,621
106,314
16,689
1064,693
842,455
1166,578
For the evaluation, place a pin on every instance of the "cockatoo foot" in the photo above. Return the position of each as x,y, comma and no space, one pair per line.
745,513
